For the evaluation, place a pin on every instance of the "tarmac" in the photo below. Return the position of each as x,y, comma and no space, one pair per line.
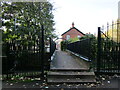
65,60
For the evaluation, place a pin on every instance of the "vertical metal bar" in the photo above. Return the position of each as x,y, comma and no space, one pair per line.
107,30
117,44
112,65
99,50
42,52
7,53
117,29
50,48
107,50
103,49
89,54
112,29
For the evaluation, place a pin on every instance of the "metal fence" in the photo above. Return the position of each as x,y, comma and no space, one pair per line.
82,48
26,55
104,51
52,47
109,48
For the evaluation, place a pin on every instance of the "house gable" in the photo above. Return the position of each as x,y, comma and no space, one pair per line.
72,33
72,29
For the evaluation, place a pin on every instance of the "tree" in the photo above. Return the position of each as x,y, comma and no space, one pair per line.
113,31
24,19
64,45
21,31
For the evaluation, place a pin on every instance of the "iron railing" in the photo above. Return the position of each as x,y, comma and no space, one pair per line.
82,48
26,55
108,59
104,52
52,47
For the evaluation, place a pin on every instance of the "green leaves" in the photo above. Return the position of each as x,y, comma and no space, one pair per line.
26,18
87,36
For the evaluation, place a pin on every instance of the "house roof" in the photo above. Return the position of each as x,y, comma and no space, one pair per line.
71,29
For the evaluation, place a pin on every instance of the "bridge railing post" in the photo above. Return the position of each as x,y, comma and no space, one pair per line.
42,52
99,50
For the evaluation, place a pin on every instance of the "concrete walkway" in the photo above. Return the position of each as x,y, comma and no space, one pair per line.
65,60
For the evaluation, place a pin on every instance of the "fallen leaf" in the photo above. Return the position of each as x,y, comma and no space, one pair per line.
23,85
21,78
32,79
46,87
108,81
37,83
6,83
57,85
103,79
12,78
11,84
102,84
68,79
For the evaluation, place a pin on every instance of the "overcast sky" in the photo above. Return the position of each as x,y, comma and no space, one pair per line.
86,14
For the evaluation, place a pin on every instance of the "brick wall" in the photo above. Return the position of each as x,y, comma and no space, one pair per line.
73,33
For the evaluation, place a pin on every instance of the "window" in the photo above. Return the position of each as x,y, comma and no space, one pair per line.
67,37
79,36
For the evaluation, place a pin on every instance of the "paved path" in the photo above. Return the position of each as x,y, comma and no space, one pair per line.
65,60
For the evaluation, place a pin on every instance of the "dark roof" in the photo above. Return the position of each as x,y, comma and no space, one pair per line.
71,29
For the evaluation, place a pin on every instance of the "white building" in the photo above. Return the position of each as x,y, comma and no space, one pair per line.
58,44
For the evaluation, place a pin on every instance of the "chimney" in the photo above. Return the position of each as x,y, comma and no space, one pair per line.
72,24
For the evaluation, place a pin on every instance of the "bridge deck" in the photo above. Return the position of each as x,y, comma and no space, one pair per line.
65,60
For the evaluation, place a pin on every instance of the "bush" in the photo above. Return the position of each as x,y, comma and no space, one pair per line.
64,45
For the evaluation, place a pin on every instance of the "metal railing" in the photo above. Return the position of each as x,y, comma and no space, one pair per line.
82,48
103,52
52,47
27,56
108,59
